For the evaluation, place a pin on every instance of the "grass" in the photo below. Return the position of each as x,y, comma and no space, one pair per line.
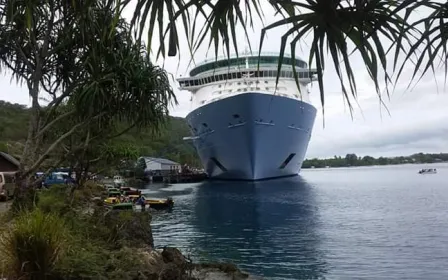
32,245
60,240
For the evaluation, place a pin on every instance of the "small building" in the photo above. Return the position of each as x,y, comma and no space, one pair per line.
8,163
159,166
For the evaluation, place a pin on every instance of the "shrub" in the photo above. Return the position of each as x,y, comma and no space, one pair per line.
54,200
32,245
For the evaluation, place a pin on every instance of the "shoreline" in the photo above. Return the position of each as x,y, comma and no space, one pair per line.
89,235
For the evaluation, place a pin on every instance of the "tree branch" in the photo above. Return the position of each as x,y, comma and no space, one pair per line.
56,143
49,125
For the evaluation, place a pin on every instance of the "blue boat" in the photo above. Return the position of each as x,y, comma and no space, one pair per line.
244,125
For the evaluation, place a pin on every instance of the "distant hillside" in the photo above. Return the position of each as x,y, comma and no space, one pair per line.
169,144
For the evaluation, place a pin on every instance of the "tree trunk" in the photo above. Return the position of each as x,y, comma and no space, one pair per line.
25,192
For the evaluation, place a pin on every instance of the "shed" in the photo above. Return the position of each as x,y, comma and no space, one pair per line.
159,165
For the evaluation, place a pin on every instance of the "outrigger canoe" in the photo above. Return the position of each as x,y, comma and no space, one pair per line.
160,204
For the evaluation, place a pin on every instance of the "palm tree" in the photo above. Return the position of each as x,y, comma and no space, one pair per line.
367,24
80,53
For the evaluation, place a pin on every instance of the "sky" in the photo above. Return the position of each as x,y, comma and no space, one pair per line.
416,120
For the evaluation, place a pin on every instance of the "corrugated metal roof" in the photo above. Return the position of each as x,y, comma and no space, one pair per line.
161,160
10,158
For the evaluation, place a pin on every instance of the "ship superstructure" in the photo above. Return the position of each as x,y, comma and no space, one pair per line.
245,126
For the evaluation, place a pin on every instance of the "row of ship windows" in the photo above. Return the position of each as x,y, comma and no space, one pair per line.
241,62
245,90
241,75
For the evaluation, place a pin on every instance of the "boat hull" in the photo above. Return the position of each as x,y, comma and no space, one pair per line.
252,136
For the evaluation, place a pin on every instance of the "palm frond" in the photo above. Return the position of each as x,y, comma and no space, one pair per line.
430,47
335,23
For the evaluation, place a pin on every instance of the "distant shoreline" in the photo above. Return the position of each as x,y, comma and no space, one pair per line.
377,165
352,160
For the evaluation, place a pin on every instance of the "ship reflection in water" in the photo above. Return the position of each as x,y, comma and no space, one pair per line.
269,228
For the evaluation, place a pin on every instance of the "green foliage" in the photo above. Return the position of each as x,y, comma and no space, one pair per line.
33,245
97,81
167,143
354,160
54,200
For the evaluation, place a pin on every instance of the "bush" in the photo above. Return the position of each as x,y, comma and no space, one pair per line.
32,245
54,200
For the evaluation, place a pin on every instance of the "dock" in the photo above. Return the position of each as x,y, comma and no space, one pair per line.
180,178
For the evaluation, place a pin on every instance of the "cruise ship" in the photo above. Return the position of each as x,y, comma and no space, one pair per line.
243,125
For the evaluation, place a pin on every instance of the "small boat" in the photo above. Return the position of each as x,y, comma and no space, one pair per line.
133,197
112,200
125,189
132,192
118,180
123,206
160,204
428,171
113,194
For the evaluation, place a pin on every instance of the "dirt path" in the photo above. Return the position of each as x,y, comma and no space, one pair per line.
5,205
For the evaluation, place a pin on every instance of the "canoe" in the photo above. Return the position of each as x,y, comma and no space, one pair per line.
112,200
113,193
160,204
123,206
132,192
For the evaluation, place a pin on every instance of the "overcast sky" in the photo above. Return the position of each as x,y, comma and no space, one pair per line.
418,120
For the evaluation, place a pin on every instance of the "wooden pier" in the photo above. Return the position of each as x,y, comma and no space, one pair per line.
180,178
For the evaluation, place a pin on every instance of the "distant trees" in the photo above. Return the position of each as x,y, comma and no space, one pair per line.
353,160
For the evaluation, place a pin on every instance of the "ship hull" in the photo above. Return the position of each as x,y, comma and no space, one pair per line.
252,136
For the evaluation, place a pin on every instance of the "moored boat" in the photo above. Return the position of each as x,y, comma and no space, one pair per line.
428,171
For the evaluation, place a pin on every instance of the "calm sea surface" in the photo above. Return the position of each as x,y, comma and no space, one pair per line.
345,223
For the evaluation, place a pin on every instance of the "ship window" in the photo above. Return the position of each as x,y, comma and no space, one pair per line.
239,89
239,83
196,82
220,86
265,82
267,88
245,89
257,88
229,90
257,82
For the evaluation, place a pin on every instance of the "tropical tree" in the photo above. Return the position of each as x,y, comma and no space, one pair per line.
376,28
78,55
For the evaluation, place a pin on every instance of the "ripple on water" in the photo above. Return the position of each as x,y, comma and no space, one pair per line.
366,223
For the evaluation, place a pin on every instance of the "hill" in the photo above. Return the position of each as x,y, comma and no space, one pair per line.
167,143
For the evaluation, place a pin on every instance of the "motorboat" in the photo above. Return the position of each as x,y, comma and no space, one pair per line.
428,171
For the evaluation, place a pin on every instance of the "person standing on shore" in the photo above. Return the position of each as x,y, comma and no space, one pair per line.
142,202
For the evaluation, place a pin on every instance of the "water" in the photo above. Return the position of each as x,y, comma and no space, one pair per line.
348,223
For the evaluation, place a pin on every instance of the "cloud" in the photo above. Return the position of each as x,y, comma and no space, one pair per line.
417,120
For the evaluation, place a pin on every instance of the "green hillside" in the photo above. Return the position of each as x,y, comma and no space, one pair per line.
167,143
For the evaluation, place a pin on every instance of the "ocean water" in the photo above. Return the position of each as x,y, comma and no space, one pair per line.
344,223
